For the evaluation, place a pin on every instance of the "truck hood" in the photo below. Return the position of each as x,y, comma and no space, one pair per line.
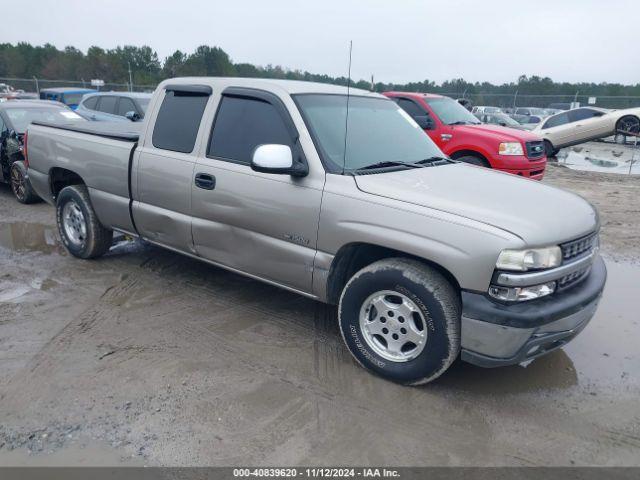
497,132
537,213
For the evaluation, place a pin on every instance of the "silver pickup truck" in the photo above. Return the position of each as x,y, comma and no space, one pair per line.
341,198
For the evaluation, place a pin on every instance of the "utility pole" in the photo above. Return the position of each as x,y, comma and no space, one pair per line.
373,85
130,78
514,99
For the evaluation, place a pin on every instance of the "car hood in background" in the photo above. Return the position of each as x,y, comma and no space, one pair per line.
537,213
498,132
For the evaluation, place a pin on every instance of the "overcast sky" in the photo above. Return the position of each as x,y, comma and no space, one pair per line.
397,41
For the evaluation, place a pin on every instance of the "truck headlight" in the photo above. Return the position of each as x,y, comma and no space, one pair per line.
529,259
510,148
521,294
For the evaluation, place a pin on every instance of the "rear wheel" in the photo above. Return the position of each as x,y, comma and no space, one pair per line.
20,185
401,319
473,160
82,233
628,125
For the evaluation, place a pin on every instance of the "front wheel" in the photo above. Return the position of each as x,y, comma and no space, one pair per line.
549,149
401,319
473,160
20,185
82,233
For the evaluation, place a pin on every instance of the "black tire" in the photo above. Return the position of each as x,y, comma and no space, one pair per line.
629,124
437,301
473,160
549,149
20,185
95,239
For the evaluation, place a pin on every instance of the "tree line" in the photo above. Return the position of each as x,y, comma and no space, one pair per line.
24,60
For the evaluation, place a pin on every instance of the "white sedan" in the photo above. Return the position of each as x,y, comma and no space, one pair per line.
586,123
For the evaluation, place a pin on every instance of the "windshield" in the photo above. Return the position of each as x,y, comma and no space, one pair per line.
22,117
451,112
377,131
506,119
492,110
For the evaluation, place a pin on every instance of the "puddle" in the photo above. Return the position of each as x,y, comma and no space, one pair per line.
30,237
593,161
606,352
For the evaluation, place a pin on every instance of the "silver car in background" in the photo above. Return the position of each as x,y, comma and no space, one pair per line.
114,106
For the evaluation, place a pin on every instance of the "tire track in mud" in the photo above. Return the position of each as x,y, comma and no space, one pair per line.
124,296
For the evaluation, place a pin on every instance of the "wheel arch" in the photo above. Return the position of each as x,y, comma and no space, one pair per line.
355,256
472,153
629,115
60,178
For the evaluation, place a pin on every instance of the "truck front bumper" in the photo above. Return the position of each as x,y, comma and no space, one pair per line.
495,334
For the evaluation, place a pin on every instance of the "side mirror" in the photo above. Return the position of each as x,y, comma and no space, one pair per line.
133,116
276,159
425,122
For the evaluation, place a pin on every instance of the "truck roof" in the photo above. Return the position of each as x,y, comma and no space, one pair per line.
291,87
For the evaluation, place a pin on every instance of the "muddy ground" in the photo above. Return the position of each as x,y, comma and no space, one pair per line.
148,357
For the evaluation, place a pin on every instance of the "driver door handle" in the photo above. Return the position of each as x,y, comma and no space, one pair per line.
205,181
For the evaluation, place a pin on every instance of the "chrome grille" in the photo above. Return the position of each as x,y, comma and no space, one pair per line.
573,277
576,248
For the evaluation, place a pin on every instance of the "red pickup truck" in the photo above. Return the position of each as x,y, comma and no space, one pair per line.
461,136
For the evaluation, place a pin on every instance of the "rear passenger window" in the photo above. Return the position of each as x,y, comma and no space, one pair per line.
90,103
242,124
108,105
178,121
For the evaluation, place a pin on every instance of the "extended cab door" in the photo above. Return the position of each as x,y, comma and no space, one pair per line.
258,223
164,167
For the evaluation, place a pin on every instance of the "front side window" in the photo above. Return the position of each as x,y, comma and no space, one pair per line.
411,107
377,130
126,105
241,125
90,103
451,112
178,121
557,120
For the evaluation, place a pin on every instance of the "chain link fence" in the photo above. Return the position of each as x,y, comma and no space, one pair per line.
506,100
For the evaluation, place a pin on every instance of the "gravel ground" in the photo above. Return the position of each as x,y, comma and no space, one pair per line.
149,357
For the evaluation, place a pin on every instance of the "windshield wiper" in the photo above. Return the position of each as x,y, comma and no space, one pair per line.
433,160
390,163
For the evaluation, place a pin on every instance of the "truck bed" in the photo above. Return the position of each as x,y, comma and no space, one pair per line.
126,131
100,153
